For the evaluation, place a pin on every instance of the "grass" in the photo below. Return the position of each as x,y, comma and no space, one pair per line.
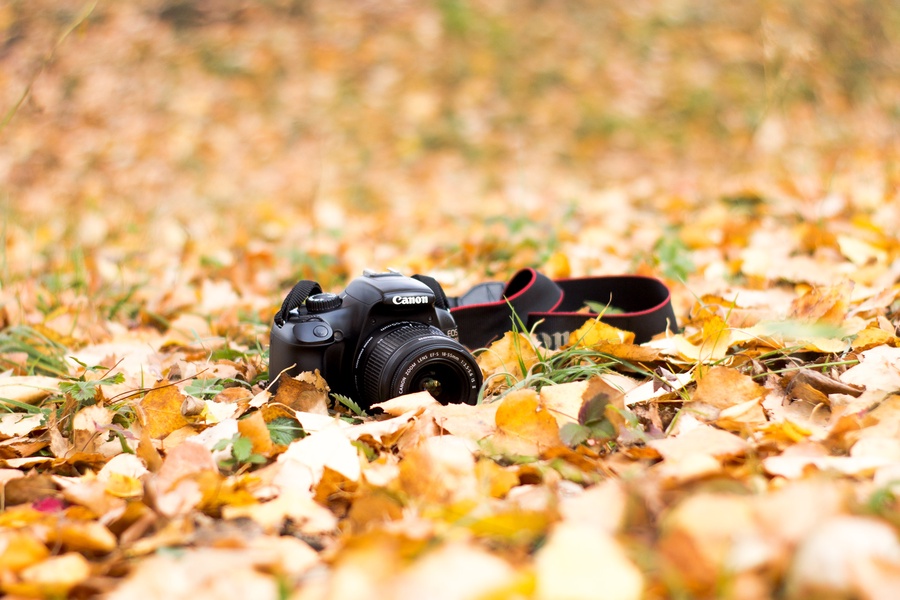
42,355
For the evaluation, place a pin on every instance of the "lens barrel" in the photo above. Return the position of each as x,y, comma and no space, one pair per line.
406,357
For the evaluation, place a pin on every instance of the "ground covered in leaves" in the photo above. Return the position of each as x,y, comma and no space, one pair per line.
169,168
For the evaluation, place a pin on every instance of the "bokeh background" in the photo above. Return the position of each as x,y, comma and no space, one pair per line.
151,143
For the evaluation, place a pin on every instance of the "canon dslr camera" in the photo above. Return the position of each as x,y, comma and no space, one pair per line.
382,337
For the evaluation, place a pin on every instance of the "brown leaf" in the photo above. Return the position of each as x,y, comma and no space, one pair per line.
307,392
25,490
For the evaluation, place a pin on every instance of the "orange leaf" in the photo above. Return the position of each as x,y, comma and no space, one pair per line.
823,305
254,428
522,416
723,387
161,409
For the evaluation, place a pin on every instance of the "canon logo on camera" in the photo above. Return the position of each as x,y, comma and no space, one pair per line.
411,300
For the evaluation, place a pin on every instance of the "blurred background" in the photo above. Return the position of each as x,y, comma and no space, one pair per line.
149,144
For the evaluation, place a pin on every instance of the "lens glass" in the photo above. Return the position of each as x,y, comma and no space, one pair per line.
406,357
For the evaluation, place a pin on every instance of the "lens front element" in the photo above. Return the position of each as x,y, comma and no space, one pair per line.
406,357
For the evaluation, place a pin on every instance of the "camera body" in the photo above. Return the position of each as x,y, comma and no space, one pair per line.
382,337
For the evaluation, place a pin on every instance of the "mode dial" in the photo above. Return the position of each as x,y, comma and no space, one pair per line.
319,303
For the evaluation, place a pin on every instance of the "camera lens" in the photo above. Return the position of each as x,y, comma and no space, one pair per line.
406,357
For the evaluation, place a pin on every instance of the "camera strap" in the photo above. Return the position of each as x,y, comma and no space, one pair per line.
555,308
296,297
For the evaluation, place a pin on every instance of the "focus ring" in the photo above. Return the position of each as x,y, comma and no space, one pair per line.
384,348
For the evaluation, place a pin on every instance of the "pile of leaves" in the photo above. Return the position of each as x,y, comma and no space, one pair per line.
171,168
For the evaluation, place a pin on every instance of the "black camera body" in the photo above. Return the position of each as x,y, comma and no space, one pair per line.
382,337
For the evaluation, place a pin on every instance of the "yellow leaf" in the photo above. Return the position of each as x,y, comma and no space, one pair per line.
511,356
161,409
579,563
595,332
522,416
79,536
871,337
53,577
124,486
20,549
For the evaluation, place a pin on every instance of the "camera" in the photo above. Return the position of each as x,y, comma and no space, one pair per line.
384,336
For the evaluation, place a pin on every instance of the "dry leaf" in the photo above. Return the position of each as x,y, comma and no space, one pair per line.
54,577
834,560
307,392
160,410
18,424
509,357
253,427
330,448
823,304
28,389
525,424
723,387
440,470
577,563
596,333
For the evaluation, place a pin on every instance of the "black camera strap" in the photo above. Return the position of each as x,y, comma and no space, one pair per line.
555,308
296,297
550,308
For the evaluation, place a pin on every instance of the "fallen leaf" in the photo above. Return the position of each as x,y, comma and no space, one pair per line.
19,550
19,424
307,392
253,427
879,369
509,358
834,560
54,577
440,470
160,410
30,389
328,447
525,423
596,333
724,387
826,304
578,563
